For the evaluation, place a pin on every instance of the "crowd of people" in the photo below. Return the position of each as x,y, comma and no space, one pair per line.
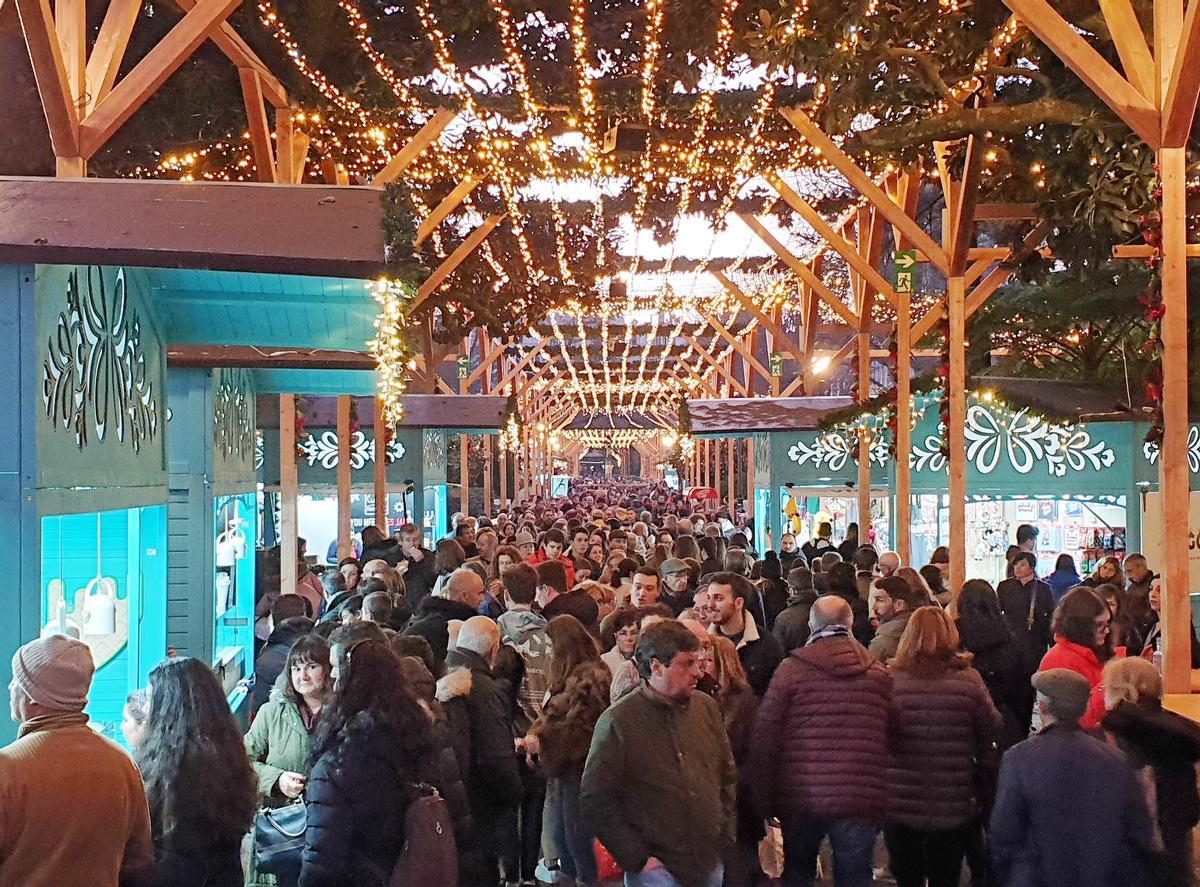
617,684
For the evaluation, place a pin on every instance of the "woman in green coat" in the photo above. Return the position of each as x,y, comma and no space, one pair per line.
279,738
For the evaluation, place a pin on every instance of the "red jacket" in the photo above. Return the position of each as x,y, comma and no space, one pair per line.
1081,660
539,557
820,748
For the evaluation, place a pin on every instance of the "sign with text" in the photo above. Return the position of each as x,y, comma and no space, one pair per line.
464,367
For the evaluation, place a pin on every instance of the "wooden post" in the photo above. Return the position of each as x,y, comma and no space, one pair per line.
1174,477
288,486
344,547
759,532
955,433
731,456
717,466
903,513
381,457
864,442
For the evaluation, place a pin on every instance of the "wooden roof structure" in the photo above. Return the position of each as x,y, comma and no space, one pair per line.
1154,92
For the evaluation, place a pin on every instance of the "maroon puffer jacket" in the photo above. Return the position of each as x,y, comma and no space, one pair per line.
821,737
947,723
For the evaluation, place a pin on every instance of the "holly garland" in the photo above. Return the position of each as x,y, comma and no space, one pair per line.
302,406
893,393
355,425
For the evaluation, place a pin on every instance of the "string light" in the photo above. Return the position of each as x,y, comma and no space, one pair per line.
390,347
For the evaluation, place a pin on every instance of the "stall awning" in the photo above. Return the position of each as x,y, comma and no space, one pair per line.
746,415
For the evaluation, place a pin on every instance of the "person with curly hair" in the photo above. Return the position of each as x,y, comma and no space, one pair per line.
199,784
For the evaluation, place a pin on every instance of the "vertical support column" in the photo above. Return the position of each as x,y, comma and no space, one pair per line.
344,533
955,433
707,462
731,465
382,435
289,483
1174,473
751,510
864,442
903,514
716,484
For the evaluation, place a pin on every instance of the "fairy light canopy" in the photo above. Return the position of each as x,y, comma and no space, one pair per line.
612,140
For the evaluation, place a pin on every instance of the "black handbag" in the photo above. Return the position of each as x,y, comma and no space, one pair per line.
279,838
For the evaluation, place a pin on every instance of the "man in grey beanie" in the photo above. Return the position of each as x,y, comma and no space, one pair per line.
72,806
1069,809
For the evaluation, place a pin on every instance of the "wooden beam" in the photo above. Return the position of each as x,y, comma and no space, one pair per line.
50,73
456,258
70,23
1092,68
333,172
781,340
1130,42
1005,212
903,512
956,433
800,269
1174,477
419,142
151,72
865,185
741,349
283,145
345,540
104,63
1179,106
300,142
1145,251
520,365
962,214
226,39
259,127
448,205
717,365
839,243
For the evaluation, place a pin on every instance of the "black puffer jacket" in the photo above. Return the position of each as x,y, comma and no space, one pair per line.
791,626
432,622
998,661
481,731
358,794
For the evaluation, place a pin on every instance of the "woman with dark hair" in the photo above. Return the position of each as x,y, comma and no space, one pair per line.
1064,578
850,543
625,628
1126,641
712,550
843,581
947,724
448,556
1082,643
370,753
738,706
279,740
199,784
579,684
986,635
1154,633
937,584
685,546
658,556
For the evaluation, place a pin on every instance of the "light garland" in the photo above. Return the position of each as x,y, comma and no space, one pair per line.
390,348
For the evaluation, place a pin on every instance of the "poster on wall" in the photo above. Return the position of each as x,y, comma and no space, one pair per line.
1152,536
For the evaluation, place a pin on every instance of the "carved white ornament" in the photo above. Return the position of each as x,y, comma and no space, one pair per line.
324,449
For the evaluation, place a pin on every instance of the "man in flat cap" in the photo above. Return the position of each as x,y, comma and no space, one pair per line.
72,806
1069,809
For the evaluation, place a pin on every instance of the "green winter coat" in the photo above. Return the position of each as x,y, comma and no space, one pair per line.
277,743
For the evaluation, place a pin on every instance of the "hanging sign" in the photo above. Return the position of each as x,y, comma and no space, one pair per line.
776,363
905,261
464,367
